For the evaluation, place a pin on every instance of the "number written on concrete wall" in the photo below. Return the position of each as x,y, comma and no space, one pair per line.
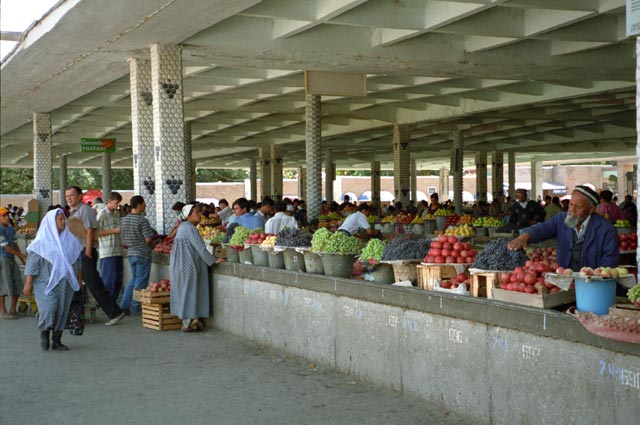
627,377
500,344
530,352
455,335
352,312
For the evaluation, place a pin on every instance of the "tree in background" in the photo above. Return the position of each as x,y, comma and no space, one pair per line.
20,180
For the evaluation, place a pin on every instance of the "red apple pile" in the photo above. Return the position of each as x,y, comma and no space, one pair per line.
163,286
628,242
529,278
164,247
452,220
543,254
255,238
455,281
448,250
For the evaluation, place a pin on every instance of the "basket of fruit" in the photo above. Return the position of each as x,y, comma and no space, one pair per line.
292,239
404,255
376,271
338,254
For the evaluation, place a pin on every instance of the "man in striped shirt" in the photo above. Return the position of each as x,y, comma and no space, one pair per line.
136,233
110,245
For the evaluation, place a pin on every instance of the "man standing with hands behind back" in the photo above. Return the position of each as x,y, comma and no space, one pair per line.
83,224
110,245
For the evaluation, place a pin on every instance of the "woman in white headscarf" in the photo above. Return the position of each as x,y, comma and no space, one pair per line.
51,274
189,272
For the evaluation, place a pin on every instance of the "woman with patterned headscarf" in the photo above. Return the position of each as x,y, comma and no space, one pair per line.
51,274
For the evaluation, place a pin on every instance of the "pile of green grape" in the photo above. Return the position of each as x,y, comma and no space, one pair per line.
373,250
239,236
634,294
320,239
340,243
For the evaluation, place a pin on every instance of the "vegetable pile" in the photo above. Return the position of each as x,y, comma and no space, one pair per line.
405,249
634,294
496,256
340,243
320,239
373,251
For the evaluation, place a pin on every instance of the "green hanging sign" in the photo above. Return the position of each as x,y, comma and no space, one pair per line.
97,145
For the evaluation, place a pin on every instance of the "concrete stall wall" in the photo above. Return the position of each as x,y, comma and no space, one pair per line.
410,341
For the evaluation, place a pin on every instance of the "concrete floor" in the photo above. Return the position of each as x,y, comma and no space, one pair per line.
130,375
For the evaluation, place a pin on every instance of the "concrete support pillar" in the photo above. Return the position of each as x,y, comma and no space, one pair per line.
302,182
144,182
401,163
512,175
481,176
168,130
276,172
414,182
190,180
106,176
375,184
313,152
458,153
497,171
637,165
253,179
265,172
537,176
64,174
329,176
443,187
42,161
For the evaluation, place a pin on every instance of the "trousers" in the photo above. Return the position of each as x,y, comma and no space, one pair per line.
96,286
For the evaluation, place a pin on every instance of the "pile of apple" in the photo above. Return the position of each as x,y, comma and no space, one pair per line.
451,220
255,238
604,272
448,250
628,242
543,254
456,281
164,247
529,278
163,286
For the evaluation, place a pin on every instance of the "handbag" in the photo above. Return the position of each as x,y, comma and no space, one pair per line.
76,318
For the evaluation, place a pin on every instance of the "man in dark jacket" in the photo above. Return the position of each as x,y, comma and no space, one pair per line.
585,239
525,212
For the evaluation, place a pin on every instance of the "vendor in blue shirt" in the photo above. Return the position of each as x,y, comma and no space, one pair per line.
242,215
585,238
358,221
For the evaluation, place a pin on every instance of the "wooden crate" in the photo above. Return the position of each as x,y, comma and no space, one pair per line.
428,273
158,317
625,310
148,297
483,283
535,300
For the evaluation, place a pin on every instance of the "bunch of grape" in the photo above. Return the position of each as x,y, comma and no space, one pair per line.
320,239
293,237
496,256
373,250
239,236
405,249
231,228
219,238
340,243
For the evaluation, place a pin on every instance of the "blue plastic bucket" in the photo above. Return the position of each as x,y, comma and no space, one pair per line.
595,296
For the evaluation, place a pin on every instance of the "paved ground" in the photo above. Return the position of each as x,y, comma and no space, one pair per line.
130,375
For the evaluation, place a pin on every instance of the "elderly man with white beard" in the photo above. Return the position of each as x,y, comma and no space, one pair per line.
585,238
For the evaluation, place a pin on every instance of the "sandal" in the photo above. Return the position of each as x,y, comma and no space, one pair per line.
4,316
190,329
13,316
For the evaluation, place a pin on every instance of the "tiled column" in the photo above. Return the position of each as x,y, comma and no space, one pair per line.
512,174
302,182
190,178
313,153
481,176
497,171
144,182
42,161
265,172
458,154
329,176
253,179
443,189
276,172
414,181
63,180
106,176
168,131
401,163
537,176
375,184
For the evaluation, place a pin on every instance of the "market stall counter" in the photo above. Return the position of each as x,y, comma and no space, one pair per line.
476,356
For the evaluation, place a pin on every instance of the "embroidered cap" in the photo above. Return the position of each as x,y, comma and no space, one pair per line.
591,194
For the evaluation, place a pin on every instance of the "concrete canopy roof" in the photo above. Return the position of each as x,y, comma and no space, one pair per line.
542,78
